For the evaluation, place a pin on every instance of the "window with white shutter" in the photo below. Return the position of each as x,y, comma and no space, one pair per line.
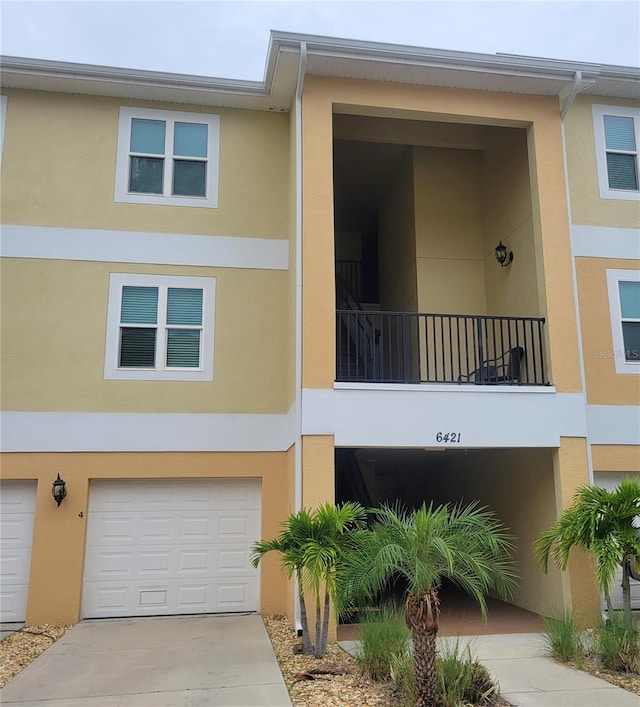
160,328
617,136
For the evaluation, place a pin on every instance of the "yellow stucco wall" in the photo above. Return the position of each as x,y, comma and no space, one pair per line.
54,317
449,231
69,180
616,457
587,207
538,114
57,559
508,217
604,385
318,464
570,472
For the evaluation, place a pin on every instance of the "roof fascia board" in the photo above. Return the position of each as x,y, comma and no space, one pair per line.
114,75
444,58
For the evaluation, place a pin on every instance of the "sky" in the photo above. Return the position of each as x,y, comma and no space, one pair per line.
229,39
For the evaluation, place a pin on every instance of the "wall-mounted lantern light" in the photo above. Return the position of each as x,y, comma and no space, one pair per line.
58,490
503,255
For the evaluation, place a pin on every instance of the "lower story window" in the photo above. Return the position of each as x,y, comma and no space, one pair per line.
160,328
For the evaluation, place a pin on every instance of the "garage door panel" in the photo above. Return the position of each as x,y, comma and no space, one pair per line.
178,495
13,603
17,513
220,595
142,562
16,529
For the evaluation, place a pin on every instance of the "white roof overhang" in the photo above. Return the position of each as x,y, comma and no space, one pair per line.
329,57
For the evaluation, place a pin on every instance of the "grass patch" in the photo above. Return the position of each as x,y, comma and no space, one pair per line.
462,679
563,639
617,644
384,635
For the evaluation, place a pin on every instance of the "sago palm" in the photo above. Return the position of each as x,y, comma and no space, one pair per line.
312,546
466,545
602,523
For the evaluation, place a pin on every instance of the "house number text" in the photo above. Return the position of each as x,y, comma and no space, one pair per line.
452,437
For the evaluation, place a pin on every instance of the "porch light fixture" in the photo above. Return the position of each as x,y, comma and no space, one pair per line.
58,490
504,256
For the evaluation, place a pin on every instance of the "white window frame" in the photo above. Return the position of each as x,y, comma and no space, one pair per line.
3,122
599,111
123,194
117,281
618,354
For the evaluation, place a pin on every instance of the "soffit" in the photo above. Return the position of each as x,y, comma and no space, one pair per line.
275,93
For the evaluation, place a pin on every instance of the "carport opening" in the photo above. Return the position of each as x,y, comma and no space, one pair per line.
517,484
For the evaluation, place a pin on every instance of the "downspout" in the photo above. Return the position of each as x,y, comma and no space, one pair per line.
298,265
583,379
577,81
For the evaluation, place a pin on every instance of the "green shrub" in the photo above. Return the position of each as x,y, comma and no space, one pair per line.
383,634
617,644
563,640
402,671
462,679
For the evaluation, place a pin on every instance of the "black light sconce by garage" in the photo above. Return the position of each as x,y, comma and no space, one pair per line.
58,490
504,256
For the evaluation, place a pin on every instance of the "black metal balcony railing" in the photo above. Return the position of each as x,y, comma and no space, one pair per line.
351,273
411,347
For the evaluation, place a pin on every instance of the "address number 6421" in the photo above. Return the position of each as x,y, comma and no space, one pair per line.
451,437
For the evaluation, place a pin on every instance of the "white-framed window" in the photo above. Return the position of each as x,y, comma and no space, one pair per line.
167,157
160,328
3,120
617,136
624,305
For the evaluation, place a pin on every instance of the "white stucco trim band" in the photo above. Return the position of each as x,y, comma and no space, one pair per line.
614,424
406,418
144,432
52,243
605,242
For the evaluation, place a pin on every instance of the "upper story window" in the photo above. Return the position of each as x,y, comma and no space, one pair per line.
166,157
617,135
624,305
160,328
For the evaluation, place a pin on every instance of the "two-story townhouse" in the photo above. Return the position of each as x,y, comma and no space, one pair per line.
146,341
223,301
602,139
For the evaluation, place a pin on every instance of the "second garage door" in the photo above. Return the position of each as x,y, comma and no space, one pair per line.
171,547
17,512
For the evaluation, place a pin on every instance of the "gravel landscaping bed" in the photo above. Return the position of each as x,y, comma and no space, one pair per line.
24,646
349,689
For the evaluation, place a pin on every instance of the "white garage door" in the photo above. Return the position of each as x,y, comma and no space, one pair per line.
171,547
17,511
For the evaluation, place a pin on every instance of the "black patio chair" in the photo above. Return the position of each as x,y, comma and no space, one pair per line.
503,369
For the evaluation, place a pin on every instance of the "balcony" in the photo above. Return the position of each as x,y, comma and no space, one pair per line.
412,347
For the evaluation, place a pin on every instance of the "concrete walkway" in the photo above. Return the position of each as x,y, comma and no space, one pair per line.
155,662
527,678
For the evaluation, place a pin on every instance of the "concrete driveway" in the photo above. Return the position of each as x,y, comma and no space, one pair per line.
155,662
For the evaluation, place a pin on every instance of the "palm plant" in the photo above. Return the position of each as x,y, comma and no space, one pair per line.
601,522
312,546
466,545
